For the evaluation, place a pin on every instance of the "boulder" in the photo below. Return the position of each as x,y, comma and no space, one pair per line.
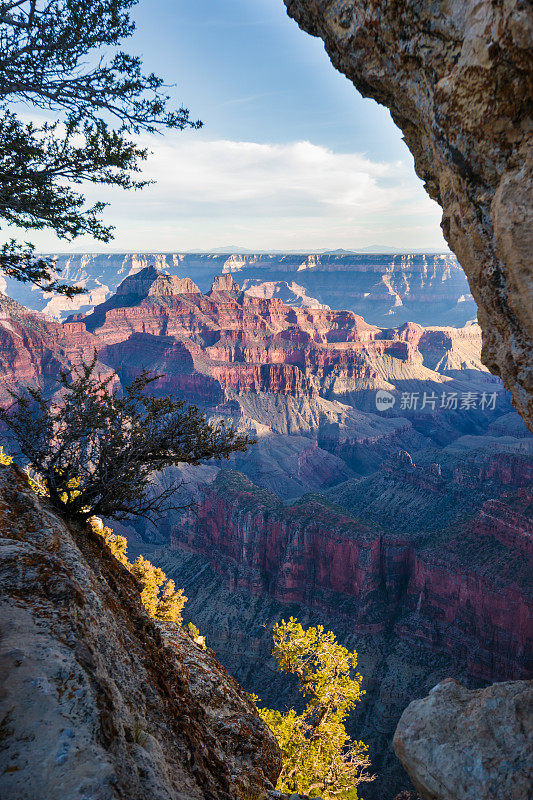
461,744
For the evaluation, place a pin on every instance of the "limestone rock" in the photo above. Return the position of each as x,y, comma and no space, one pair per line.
457,78
98,701
224,283
467,745
171,285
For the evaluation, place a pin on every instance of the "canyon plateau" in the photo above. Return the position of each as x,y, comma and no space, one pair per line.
385,289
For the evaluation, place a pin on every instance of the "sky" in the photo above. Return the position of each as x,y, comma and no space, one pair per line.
290,155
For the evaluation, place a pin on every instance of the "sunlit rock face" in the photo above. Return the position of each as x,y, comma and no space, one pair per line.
456,77
387,289
33,349
303,380
97,700
465,745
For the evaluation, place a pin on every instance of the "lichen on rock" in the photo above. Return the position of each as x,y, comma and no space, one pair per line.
97,700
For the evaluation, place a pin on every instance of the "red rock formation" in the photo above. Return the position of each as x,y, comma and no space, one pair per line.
251,344
33,350
224,283
236,343
509,520
448,595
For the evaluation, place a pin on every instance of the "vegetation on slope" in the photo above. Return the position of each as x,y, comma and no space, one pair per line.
96,450
319,757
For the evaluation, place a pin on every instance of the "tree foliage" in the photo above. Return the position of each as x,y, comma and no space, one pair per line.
64,57
319,757
96,450
159,595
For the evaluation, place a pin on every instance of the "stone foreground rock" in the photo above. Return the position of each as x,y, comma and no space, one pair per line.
460,744
457,77
96,701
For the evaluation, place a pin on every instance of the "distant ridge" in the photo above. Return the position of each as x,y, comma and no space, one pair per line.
373,248
387,289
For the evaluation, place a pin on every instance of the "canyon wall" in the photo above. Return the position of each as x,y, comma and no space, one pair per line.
415,556
464,592
457,78
387,289
442,587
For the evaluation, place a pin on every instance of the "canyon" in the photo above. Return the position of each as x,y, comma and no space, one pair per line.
406,528
456,77
404,525
303,380
386,289
426,573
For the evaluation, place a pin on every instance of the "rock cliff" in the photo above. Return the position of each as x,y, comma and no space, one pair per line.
425,571
251,344
462,591
33,349
417,560
96,699
468,745
457,78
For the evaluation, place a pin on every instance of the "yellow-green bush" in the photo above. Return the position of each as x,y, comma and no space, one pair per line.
319,757
159,595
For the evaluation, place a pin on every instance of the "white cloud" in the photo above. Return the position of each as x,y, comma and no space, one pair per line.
264,196
296,173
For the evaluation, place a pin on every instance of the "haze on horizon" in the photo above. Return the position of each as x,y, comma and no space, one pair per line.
290,158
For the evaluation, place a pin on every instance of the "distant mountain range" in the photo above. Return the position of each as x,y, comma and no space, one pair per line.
373,248
385,288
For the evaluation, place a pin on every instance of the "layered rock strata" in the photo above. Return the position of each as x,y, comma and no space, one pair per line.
465,593
33,349
384,288
250,344
457,79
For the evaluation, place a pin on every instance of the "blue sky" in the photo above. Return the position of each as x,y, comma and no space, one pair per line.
290,156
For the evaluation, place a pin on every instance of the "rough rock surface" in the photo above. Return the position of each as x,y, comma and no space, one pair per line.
457,77
469,745
96,700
